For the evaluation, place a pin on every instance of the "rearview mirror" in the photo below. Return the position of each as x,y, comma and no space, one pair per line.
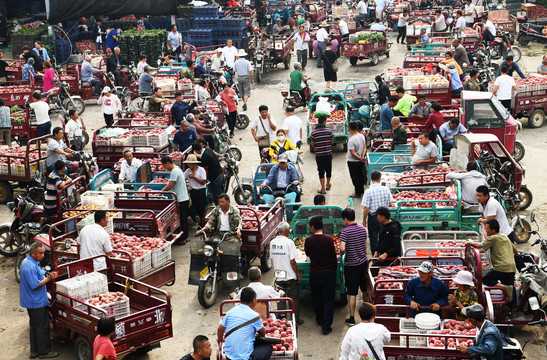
532,217
534,303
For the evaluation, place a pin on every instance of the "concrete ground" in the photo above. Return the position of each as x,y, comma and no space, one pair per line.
189,318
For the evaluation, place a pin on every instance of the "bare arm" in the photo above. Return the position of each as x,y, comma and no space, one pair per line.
294,266
495,89
169,186
220,333
366,210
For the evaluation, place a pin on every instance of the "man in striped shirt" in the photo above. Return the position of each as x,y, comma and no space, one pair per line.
353,242
55,182
375,196
322,139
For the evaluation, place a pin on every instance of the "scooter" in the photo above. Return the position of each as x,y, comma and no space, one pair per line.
59,99
530,32
223,144
294,99
83,164
501,47
242,191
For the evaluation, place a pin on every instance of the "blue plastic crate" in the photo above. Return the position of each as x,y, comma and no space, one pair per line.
231,23
207,12
206,23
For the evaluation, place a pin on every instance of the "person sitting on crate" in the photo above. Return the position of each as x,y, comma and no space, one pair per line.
281,176
87,75
94,240
28,69
426,290
114,65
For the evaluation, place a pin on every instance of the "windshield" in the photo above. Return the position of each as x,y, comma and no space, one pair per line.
482,114
501,109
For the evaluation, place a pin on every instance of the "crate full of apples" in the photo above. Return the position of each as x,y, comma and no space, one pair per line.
281,329
452,327
114,303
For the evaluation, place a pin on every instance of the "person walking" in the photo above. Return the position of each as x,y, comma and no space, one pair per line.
94,240
401,26
389,239
283,253
263,128
227,97
322,39
503,88
353,243
229,53
103,348
49,77
5,123
375,197
293,127
110,104
33,297
197,183
488,344
330,68
210,162
322,139
74,129
302,40
111,37
357,149
177,183
244,71
323,262
100,37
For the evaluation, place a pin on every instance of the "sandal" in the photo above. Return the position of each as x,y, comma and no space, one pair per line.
328,186
321,191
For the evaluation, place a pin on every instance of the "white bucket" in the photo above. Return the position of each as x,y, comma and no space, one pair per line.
427,321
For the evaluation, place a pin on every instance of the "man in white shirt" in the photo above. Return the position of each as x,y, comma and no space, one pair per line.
490,208
201,91
174,41
362,10
343,27
489,31
380,6
460,21
322,39
263,125
74,129
94,240
283,253
293,127
41,110
424,152
262,291
377,26
229,53
469,13
217,60
244,72
129,166
302,40
503,87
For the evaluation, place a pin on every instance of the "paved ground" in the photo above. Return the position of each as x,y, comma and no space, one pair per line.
188,316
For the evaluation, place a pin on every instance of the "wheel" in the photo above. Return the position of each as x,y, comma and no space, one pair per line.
374,59
515,52
519,151
85,138
207,296
21,255
521,230
236,153
387,53
287,62
242,121
523,39
244,196
536,119
353,60
525,197
266,262
76,104
83,348
6,192
8,245
258,75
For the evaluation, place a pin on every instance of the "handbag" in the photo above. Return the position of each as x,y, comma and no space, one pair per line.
264,141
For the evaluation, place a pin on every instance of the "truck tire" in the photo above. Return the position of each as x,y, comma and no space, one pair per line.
266,262
525,197
83,348
374,59
6,192
519,151
536,119
207,296
353,60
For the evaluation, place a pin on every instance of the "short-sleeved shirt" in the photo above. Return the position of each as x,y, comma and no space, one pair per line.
32,297
200,174
110,42
436,292
542,68
386,114
322,138
229,54
425,152
469,9
52,156
466,300
405,104
41,110
185,139
94,240
259,129
127,172
356,143
293,125
447,132
174,39
322,35
376,196
242,67
179,188
5,119
296,80
501,252
505,87
355,237
210,161
320,250
282,251
494,208
103,346
52,186
74,128
145,83
240,344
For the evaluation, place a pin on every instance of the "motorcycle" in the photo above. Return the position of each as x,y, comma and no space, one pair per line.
215,267
501,47
289,198
294,99
223,144
530,32
59,99
242,191
82,164
486,69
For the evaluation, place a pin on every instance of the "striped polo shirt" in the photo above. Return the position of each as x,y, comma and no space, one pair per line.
355,237
322,138
52,186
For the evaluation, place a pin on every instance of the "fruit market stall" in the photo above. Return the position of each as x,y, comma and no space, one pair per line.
16,92
332,225
22,126
503,21
143,318
435,176
530,99
434,87
335,108
366,44
278,318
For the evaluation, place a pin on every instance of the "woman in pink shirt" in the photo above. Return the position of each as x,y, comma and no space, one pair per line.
49,76
228,96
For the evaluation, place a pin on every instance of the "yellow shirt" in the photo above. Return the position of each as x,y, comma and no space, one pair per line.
275,146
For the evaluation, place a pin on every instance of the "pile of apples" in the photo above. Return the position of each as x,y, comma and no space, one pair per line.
449,244
299,243
15,89
106,299
336,116
134,245
280,329
409,195
160,179
387,285
400,270
250,219
436,175
68,214
453,327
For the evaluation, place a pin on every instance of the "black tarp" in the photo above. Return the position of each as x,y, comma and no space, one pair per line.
62,10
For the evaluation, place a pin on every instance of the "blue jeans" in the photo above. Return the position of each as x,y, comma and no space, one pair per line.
374,228
448,145
43,129
321,46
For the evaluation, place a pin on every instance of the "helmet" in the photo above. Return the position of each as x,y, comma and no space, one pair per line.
365,111
300,21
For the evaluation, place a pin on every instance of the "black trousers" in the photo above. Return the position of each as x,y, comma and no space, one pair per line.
108,119
183,205
323,286
199,200
506,104
118,78
39,330
398,113
491,278
210,141
324,166
302,57
231,118
357,176
402,34
292,290
217,187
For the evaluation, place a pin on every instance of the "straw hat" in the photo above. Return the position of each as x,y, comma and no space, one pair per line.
324,24
192,159
241,53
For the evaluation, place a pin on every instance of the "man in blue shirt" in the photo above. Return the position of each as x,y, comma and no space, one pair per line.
177,184
145,82
239,344
386,114
424,38
33,296
450,129
426,290
457,85
87,74
282,175
111,37
180,108
185,137
512,66
489,344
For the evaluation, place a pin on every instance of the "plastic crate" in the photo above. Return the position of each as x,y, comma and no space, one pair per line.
102,142
118,309
97,283
157,140
409,326
139,140
102,199
126,141
18,170
162,255
207,11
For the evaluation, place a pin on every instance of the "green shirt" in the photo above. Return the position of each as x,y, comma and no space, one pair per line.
405,104
187,73
296,80
501,252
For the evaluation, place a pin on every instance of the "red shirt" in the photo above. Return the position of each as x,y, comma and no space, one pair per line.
104,346
230,101
434,120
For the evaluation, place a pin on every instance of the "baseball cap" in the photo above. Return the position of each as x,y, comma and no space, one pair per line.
283,158
426,267
106,89
474,311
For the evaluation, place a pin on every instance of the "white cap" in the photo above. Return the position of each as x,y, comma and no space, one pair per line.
106,89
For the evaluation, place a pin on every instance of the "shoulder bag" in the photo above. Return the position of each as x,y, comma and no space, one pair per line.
264,141
372,349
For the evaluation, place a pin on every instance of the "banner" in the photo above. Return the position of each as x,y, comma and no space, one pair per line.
62,10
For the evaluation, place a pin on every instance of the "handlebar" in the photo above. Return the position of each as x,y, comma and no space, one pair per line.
541,322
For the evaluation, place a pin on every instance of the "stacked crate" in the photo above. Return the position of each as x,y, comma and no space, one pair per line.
62,50
513,6
133,45
231,28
